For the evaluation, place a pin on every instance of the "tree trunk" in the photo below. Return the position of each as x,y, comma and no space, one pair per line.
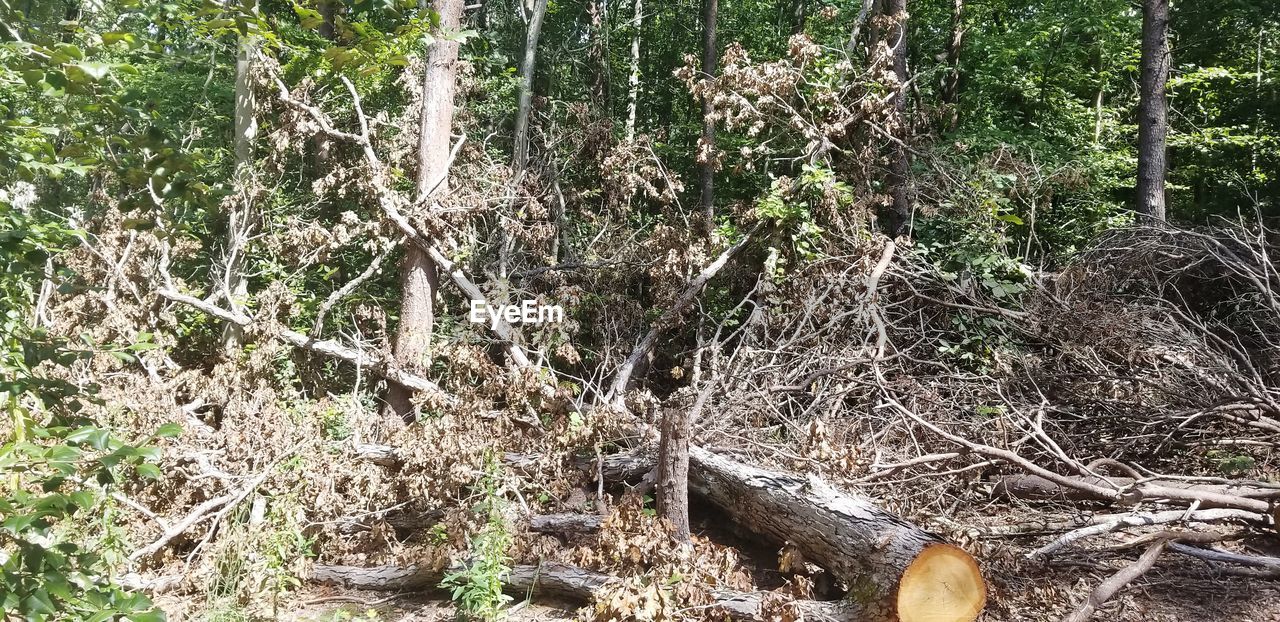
891,566
707,148
419,276
328,11
859,22
951,83
240,222
599,57
562,581
673,472
633,91
1153,121
894,569
527,68
797,16
899,165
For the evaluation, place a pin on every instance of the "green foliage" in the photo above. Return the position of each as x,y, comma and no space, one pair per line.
1232,464
477,587
794,207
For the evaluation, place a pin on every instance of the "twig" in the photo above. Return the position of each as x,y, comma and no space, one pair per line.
346,289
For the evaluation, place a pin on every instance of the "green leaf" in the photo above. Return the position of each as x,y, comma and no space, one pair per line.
38,602
93,71
169,430
149,471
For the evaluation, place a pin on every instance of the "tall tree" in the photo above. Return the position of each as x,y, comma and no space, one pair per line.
798,15
1153,113
527,68
419,277
707,148
633,86
899,165
240,222
597,12
865,12
951,81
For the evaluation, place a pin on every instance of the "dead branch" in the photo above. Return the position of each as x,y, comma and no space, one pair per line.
331,348
390,201
622,379
1143,520
1224,557
1138,491
1240,496
220,504
1115,583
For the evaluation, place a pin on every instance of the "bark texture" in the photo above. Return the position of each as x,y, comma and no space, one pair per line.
865,546
951,82
899,164
565,523
673,472
420,278
1153,113
856,541
528,66
240,222
633,81
707,148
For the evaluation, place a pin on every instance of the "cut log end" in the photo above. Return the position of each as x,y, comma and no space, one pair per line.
942,584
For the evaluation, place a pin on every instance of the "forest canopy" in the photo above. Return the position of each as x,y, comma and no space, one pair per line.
866,310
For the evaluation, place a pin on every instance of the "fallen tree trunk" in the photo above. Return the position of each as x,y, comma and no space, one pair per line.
559,581
565,523
895,570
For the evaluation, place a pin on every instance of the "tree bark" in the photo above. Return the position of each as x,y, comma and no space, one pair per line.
893,568
673,472
328,12
888,563
240,222
1153,121
420,278
951,83
565,523
707,148
527,68
599,57
633,91
899,164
